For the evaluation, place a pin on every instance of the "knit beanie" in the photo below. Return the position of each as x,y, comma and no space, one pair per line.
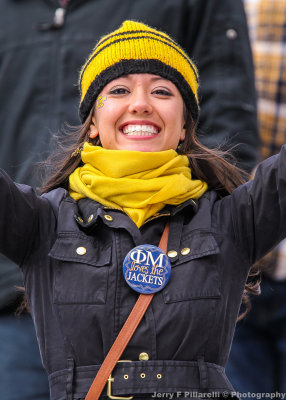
137,48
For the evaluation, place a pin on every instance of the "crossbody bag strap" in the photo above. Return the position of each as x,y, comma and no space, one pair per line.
124,335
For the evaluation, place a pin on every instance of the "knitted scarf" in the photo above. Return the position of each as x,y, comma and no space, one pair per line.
139,183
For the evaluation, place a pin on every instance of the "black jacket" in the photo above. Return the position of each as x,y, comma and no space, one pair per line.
39,67
79,302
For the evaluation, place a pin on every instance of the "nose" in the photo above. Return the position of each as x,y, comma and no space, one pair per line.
140,102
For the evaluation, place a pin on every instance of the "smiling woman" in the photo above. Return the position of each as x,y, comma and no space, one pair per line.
137,177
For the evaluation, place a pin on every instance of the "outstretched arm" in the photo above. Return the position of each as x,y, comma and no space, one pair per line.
19,218
255,214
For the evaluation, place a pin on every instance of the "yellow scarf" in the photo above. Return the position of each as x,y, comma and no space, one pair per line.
139,183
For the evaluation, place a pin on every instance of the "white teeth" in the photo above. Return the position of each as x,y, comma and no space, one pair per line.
140,130
139,133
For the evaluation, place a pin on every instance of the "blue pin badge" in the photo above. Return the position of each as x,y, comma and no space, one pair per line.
146,269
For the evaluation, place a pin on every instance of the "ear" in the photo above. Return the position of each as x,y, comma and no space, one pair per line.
93,131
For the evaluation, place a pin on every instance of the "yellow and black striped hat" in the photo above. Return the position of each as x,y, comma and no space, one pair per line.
137,48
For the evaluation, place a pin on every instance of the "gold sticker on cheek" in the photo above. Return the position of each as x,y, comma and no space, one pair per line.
100,101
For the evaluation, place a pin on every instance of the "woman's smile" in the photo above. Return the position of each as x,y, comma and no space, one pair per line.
139,130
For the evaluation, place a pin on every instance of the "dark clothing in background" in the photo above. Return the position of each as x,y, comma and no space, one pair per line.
21,370
258,356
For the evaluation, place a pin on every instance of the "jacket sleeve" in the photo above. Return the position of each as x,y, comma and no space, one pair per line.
254,215
20,208
216,37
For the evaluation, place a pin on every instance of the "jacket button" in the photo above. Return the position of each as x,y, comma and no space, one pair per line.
172,254
108,217
90,218
81,251
185,251
143,357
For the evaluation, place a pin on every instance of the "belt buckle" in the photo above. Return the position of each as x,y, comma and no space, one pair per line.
109,383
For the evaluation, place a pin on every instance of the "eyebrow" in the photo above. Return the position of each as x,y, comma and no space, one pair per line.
158,78
153,79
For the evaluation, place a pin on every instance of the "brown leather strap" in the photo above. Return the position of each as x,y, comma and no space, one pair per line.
124,335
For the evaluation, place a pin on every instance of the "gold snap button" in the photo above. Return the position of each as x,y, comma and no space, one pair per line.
80,219
143,357
126,376
108,217
159,376
172,254
81,251
143,375
90,218
185,251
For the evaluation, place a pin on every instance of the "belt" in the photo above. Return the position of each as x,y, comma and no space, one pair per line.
144,377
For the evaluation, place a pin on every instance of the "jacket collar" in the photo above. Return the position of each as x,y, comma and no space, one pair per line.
190,220
89,211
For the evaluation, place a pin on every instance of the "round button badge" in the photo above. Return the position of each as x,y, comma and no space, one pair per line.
146,269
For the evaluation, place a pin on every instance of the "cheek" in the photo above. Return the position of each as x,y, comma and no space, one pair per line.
107,114
174,118
175,123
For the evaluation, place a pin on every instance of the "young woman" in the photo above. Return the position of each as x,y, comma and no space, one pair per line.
136,167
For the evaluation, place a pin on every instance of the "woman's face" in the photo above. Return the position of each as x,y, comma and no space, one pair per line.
142,112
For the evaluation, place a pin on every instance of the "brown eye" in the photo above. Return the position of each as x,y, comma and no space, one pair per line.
119,91
162,92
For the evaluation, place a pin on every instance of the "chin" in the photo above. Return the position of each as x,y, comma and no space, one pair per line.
146,149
